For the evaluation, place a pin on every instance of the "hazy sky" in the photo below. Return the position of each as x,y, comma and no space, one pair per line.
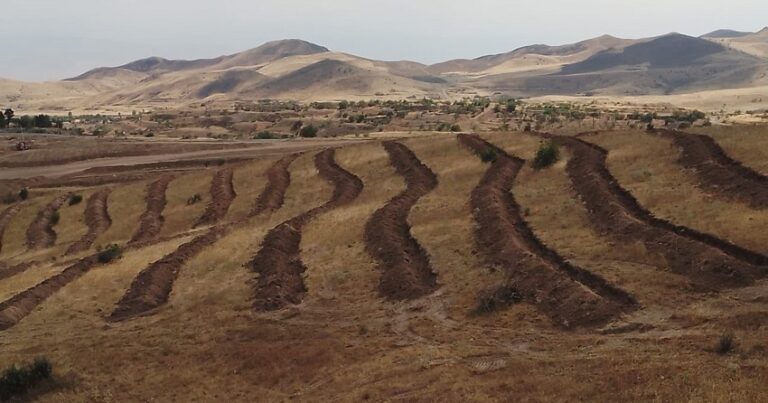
53,39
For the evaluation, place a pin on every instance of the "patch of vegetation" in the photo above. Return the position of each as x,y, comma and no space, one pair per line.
18,380
55,217
75,199
488,155
196,198
725,345
24,194
496,299
110,253
308,131
547,155
265,135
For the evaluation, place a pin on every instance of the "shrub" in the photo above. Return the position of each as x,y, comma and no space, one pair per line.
496,299
455,128
547,155
75,199
18,380
725,345
488,155
194,199
110,253
23,194
55,217
308,131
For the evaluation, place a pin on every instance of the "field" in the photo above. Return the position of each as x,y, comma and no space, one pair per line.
392,267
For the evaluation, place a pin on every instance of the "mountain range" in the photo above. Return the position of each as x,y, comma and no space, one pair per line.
299,70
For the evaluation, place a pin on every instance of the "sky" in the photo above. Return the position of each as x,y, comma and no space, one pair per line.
54,39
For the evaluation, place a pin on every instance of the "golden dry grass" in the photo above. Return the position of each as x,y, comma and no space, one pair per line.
125,206
179,215
746,144
248,180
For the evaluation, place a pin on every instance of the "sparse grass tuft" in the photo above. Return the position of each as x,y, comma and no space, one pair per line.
725,345
493,300
547,155
194,199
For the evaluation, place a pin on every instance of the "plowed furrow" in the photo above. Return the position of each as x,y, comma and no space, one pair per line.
569,295
151,221
717,172
406,272
151,288
5,218
40,233
278,180
222,195
278,262
96,218
708,261
19,306
8,272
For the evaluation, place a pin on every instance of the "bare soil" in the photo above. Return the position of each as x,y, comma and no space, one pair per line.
96,218
40,233
709,262
278,262
279,178
222,195
406,272
151,221
569,295
717,172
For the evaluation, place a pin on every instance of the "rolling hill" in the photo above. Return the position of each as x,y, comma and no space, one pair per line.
300,70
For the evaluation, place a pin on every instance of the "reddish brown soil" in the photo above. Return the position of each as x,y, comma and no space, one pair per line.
278,180
40,233
151,288
406,272
708,262
222,195
8,272
717,172
5,218
19,306
278,262
569,295
151,221
96,218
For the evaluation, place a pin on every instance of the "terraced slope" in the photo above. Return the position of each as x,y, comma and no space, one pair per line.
279,178
708,262
569,295
40,233
151,221
278,262
222,195
406,272
5,218
96,218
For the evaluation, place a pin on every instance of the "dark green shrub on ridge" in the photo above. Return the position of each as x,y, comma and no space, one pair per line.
547,155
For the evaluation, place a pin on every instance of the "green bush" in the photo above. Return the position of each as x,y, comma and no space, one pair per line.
18,380
547,155
75,199
265,135
488,155
55,217
308,131
23,194
110,253
725,345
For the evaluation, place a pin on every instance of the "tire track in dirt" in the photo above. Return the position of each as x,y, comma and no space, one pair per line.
278,262
16,308
5,219
406,272
40,233
717,172
569,295
222,195
151,221
96,218
278,180
709,262
152,286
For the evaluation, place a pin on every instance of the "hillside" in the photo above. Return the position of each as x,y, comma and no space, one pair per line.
300,70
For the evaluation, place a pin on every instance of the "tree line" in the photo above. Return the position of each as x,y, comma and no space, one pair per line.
41,121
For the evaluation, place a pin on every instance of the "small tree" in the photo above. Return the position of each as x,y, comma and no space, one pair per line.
8,115
547,155
23,194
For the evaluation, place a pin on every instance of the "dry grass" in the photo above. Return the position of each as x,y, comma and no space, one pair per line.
125,205
180,216
248,180
747,144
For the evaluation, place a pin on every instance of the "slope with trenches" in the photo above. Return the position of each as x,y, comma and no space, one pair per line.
40,233
708,262
406,272
278,180
19,306
222,195
717,172
151,221
569,295
96,218
278,262
5,218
